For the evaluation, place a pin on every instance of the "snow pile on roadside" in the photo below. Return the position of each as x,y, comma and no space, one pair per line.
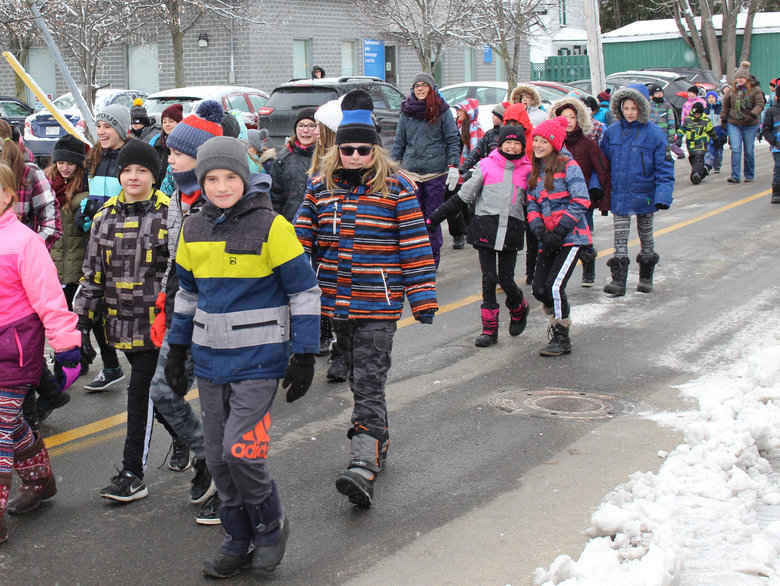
711,515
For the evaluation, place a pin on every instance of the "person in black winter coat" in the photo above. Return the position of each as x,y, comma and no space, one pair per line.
486,144
289,172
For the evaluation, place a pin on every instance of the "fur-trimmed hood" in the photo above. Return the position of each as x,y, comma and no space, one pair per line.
583,115
635,94
516,96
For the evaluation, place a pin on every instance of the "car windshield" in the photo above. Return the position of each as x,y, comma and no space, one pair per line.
294,98
453,95
157,105
12,109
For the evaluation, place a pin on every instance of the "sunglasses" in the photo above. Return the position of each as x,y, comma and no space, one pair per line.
348,151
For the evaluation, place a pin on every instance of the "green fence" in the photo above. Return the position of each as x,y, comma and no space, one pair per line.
564,68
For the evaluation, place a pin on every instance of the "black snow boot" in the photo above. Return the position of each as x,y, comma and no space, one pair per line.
518,316
236,551
559,339
271,531
776,193
358,485
647,264
326,335
588,258
619,268
489,335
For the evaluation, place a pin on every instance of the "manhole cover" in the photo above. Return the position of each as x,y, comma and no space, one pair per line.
560,403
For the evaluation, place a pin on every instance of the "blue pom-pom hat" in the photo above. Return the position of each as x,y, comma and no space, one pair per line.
197,128
356,125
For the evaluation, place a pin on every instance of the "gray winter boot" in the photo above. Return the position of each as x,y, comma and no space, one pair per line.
647,264
619,268
560,343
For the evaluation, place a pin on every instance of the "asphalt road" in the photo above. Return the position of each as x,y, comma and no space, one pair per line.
469,427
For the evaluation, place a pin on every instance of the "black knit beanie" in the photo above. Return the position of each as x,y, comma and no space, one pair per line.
70,149
137,152
511,132
357,125
304,114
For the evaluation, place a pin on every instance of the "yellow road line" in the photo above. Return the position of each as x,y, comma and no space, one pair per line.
109,422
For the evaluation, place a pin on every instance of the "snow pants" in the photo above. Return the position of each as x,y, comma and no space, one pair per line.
551,276
430,194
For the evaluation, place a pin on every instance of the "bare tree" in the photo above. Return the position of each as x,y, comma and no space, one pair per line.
84,29
179,16
425,25
19,27
504,25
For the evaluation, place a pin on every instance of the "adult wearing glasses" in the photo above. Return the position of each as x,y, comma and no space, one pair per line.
362,224
289,172
427,145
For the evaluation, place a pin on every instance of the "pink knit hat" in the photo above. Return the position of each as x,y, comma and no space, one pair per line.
552,130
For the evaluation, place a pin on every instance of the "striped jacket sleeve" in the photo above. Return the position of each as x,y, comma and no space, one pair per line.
299,283
417,265
579,201
306,227
186,301
45,208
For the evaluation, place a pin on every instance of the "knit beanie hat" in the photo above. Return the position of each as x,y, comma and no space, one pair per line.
230,125
356,123
655,88
693,90
69,149
138,152
498,110
174,112
697,108
511,132
329,114
259,139
305,114
552,130
222,152
116,116
197,128
743,70
604,96
425,77
138,113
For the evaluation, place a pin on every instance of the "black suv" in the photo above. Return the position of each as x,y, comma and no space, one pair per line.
279,113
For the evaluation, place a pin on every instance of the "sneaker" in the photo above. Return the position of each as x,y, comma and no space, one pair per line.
748,180
202,484
716,170
106,378
459,242
357,487
732,180
125,487
209,512
181,458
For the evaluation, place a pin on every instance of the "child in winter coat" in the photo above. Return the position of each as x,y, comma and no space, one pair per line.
169,119
698,133
362,224
771,132
32,307
289,171
662,115
557,202
496,190
714,157
693,98
528,95
247,297
68,178
261,150
113,126
642,181
125,261
592,162
486,144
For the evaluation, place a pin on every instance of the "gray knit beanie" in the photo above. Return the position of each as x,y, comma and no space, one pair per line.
223,152
116,116
426,77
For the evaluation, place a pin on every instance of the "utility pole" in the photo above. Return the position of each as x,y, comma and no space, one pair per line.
86,115
598,77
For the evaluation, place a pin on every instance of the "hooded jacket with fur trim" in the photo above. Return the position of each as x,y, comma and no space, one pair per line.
535,112
642,176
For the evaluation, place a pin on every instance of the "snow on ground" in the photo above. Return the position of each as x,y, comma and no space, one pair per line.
711,514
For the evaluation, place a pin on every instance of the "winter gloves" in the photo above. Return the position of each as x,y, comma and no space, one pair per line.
176,369
596,194
453,176
87,351
552,241
158,326
298,377
67,367
449,207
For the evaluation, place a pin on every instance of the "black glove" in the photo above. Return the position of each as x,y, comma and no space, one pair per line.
596,193
551,242
661,206
87,351
298,377
176,369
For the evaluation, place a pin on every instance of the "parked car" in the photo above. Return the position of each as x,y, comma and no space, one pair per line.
41,130
278,115
704,78
14,111
490,93
246,100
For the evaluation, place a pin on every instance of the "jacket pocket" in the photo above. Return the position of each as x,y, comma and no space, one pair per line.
240,245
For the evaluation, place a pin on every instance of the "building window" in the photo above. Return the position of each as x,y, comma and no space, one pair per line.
469,64
301,58
562,12
348,58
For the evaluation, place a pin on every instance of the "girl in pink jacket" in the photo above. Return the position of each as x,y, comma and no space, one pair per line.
32,306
